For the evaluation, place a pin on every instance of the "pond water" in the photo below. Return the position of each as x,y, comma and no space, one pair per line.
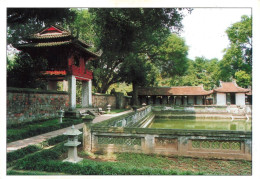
235,125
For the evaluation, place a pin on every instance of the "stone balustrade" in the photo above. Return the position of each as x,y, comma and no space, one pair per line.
125,134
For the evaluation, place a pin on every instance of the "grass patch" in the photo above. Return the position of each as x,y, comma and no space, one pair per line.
18,154
114,111
34,129
50,160
22,172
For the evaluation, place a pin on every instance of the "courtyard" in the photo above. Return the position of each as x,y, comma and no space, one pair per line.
114,91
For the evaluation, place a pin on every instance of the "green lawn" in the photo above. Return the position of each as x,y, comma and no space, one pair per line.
114,111
182,165
49,161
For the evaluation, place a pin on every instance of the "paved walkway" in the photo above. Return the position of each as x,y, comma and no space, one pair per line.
42,137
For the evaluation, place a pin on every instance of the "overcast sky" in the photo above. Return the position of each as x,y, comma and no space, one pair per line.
204,30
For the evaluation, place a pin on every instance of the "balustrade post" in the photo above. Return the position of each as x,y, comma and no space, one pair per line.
87,145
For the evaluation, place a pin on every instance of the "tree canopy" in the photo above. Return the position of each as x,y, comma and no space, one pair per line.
128,38
23,21
238,56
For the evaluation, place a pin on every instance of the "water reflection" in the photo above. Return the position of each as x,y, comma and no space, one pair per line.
201,124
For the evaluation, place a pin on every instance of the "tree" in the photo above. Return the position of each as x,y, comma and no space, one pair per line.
21,22
24,73
243,79
130,33
82,26
200,71
171,56
238,56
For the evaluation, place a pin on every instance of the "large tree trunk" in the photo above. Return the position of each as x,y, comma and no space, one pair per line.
135,94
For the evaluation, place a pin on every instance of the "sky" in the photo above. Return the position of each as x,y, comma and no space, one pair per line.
204,30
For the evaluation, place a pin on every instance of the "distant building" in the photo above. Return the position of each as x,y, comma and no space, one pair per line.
229,93
179,95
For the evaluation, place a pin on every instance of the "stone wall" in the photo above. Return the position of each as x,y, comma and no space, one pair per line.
120,134
116,101
24,105
206,144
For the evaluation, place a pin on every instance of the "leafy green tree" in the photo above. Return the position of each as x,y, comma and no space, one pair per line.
243,79
25,72
82,26
171,56
238,56
21,22
200,71
130,33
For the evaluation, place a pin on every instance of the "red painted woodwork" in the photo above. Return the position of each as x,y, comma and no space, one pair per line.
84,75
63,72
79,71
51,29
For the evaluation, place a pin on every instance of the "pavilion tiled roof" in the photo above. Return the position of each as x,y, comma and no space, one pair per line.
230,87
44,44
49,36
174,91
54,35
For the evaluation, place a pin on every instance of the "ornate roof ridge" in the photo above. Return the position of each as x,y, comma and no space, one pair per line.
232,87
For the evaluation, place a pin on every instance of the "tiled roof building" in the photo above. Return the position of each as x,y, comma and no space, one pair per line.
230,87
67,59
178,95
174,91
227,93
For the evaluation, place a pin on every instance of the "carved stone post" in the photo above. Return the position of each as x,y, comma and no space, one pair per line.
87,133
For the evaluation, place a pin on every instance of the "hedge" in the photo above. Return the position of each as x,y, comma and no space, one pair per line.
20,153
49,161
32,130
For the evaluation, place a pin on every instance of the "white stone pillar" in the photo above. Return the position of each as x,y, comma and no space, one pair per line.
72,91
240,99
89,93
85,95
221,99
65,85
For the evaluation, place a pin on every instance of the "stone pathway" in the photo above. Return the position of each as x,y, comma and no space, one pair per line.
42,137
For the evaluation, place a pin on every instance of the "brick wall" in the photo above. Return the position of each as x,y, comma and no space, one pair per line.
25,105
102,100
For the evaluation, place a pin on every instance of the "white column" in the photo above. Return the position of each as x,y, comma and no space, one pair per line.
240,99
72,91
85,95
221,99
90,93
65,85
